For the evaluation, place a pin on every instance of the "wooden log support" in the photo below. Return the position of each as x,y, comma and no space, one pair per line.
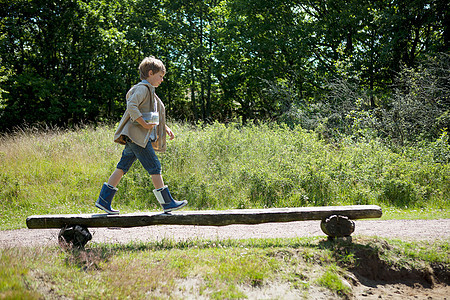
205,217
337,226
74,236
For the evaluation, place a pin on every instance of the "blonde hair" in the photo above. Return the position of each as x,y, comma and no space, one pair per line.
150,64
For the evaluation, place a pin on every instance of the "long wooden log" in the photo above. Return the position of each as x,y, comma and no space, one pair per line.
205,217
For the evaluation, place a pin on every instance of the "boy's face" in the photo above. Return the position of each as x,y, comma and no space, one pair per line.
155,79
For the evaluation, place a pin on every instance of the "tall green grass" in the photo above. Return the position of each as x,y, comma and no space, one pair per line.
52,172
258,166
217,166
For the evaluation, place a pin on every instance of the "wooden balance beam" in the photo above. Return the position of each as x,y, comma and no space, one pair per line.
336,220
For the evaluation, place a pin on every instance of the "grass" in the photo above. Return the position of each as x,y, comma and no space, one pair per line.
221,269
394,213
49,172
331,280
220,167
215,167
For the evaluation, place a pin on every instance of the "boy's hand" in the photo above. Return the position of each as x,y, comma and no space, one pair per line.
149,126
170,133
144,124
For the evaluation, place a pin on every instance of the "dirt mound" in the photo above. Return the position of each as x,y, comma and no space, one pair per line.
373,268
378,278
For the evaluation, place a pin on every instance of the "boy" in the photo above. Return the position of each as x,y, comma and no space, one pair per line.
142,137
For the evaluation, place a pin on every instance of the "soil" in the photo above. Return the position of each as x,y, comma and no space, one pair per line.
397,285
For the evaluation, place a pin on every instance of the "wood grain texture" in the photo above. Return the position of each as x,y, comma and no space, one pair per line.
205,217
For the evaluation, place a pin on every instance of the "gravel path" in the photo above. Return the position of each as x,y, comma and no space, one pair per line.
402,229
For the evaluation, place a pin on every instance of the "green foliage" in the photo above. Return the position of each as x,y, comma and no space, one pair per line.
299,62
63,75
420,103
441,148
415,110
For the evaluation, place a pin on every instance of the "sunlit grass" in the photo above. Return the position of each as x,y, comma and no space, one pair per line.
52,172
426,213
219,166
214,269
333,281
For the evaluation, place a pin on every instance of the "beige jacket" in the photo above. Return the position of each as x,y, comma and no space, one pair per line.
140,99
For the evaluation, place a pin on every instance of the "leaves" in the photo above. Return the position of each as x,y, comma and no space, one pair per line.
226,59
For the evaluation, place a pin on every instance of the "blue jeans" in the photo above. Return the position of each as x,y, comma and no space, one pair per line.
146,156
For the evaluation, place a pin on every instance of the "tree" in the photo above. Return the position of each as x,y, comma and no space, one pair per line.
62,74
251,59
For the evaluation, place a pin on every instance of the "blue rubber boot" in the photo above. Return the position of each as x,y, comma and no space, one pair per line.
167,202
104,200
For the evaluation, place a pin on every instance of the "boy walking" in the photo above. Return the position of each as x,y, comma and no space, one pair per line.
143,131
